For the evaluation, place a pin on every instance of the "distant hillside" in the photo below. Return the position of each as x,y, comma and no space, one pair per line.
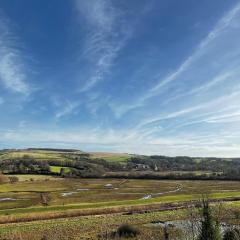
76,163
53,149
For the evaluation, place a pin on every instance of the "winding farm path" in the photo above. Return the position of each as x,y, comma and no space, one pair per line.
148,196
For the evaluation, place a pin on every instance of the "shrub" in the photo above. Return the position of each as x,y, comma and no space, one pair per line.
126,230
13,179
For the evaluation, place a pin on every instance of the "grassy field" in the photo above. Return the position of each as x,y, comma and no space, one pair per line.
83,227
24,196
58,155
57,169
77,206
33,177
33,154
111,157
91,227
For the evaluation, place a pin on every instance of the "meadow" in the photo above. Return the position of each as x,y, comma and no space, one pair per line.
63,204
24,197
96,227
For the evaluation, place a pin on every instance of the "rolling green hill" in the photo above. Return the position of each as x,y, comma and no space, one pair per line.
76,163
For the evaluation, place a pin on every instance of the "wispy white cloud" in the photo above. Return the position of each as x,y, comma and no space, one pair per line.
120,110
224,76
106,37
67,108
224,118
126,141
12,67
229,20
204,107
223,24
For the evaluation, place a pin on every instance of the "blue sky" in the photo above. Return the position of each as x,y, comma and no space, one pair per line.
139,76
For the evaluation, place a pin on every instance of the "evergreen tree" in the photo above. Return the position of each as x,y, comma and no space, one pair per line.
210,229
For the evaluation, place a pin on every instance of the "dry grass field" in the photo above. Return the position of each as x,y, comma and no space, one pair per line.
93,227
24,197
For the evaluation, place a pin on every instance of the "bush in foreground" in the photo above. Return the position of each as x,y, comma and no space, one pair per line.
126,230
